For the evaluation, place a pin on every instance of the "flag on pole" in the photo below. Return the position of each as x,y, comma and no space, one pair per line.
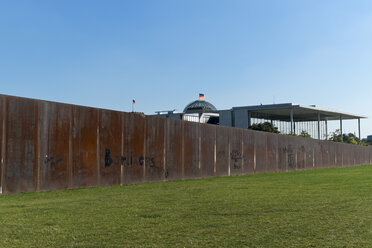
201,96
133,102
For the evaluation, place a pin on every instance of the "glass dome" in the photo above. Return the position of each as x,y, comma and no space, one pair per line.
199,106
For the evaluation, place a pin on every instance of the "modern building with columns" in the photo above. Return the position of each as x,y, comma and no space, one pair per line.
289,118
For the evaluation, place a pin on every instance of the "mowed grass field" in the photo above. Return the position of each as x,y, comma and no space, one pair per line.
316,208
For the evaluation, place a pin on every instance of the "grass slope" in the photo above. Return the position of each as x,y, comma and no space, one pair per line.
316,208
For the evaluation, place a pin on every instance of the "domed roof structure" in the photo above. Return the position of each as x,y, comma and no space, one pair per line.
199,106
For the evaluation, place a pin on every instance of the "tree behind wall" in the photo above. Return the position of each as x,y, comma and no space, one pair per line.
265,126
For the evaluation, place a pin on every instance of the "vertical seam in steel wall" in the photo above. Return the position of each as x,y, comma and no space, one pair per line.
277,154
254,152
3,146
199,149
122,150
336,152
305,155
335,156
286,155
144,148
242,151
38,146
266,155
342,155
228,155
296,159
313,157
182,150
70,148
98,150
165,148
215,152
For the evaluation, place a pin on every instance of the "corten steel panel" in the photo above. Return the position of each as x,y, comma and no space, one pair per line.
2,131
21,158
272,152
236,156
347,158
351,155
309,153
110,142
317,154
134,148
261,151
301,153
248,151
191,149
331,154
154,159
174,149
207,135
355,155
292,153
360,155
325,154
84,146
54,123
363,155
366,152
282,152
338,154
222,150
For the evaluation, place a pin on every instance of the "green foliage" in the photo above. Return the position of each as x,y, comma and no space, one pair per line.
336,136
304,134
349,138
314,208
265,126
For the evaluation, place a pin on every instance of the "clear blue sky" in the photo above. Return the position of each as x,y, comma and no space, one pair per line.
163,53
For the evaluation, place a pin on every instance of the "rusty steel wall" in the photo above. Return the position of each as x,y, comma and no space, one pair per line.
222,151
236,151
283,153
110,144
84,140
155,149
272,152
47,146
54,132
174,149
248,152
207,150
3,111
261,152
22,161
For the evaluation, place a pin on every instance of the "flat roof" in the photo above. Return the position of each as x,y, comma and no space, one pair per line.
282,112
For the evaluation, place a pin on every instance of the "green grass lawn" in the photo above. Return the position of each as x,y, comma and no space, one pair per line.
316,208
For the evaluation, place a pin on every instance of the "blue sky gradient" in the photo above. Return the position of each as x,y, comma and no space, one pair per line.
163,53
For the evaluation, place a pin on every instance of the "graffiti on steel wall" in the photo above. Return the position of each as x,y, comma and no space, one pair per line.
236,159
130,160
53,161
